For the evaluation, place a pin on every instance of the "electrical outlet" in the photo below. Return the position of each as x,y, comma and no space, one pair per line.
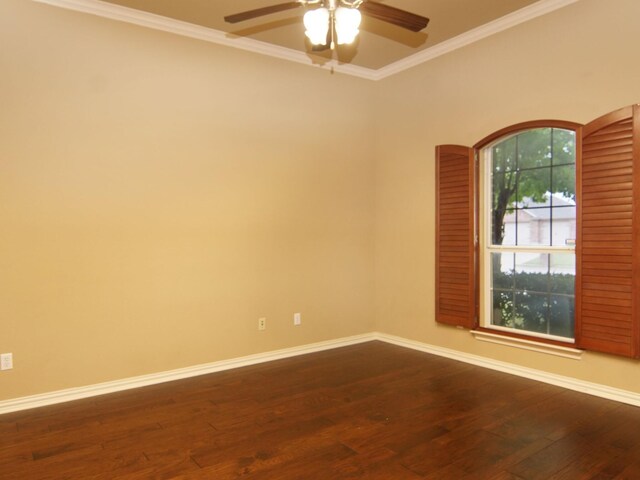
262,323
297,319
6,361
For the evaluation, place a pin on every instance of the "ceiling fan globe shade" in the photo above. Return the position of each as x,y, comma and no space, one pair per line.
317,24
347,24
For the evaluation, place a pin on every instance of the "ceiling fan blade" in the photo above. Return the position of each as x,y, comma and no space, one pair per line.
259,12
394,15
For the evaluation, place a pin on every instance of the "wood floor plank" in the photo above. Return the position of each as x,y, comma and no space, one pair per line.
369,411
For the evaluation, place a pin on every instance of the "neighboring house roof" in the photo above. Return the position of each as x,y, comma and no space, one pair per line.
542,210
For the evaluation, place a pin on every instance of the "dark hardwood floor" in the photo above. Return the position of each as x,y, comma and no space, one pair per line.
371,411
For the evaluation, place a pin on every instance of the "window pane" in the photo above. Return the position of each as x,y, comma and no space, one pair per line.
532,272
531,312
561,318
503,187
504,156
533,229
502,309
506,235
502,204
534,148
563,225
562,276
563,185
564,146
502,268
504,190
533,186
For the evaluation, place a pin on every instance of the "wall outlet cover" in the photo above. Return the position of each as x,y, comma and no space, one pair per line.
6,361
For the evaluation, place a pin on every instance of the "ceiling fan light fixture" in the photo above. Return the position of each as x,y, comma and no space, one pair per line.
317,24
347,23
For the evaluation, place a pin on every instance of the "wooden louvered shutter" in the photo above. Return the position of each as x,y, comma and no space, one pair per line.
456,255
608,247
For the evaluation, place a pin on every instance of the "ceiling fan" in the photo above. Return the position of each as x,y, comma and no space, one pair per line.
328,22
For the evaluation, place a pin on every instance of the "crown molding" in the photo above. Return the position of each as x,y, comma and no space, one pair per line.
185,29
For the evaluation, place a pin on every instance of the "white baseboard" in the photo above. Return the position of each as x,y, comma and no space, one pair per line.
60,396
596,389
41,400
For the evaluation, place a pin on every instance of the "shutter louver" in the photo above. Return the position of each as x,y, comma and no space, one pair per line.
607,280
456,258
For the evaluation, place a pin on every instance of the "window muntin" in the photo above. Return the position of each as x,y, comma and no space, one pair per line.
530,233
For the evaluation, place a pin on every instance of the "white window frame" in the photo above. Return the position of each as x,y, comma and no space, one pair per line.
488,248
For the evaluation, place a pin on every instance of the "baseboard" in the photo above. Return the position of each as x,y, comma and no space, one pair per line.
61,396
596,389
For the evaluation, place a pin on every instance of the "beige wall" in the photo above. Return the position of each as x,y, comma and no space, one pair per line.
159,194
575,64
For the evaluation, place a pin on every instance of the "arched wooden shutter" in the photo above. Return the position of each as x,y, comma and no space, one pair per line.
456,256
608,246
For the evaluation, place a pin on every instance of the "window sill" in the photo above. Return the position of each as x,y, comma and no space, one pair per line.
549,349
